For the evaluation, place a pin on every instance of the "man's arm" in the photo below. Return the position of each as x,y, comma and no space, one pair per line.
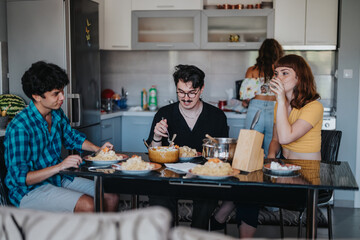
34,177
89,146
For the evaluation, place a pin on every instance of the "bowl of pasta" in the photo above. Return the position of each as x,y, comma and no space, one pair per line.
136,165
105,157
164,154
214,169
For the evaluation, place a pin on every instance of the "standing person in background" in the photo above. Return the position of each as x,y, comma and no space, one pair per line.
255,90
256,95
190,118
298,113
33,143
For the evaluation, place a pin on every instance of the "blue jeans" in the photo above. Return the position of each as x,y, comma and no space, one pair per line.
266,121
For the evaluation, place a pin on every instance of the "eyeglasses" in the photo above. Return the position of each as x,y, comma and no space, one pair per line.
191,94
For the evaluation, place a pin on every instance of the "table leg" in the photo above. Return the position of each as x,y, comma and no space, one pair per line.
99,194
134,201
311,223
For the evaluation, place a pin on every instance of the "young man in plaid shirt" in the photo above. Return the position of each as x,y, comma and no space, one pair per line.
33,143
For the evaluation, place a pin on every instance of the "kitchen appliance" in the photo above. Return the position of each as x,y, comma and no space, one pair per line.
66,33
222,148
4,82
329,123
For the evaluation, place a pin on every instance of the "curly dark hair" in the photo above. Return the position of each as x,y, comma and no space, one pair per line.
43,77
189,73
305,89
269,52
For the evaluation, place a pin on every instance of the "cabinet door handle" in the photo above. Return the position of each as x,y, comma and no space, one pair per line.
165,45
120,46
165,6
106,126
237,45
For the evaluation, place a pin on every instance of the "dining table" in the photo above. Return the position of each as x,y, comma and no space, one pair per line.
258,187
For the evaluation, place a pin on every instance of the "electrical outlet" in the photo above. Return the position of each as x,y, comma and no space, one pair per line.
348,73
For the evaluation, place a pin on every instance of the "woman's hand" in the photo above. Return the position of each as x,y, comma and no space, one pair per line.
160,130
245,103
278,88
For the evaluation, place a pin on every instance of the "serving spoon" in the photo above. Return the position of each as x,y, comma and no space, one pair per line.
212,139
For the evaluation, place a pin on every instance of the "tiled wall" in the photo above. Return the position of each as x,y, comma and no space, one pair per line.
135,70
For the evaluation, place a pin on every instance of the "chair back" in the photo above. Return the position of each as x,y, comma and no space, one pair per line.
330,144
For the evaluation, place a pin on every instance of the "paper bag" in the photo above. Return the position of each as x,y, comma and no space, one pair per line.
249,156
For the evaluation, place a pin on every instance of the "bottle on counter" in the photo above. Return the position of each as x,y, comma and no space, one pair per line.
152,98
144,104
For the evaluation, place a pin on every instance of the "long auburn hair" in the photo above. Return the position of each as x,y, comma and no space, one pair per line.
305,89
269,52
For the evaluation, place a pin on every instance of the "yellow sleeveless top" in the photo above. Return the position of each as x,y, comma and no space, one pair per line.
311,141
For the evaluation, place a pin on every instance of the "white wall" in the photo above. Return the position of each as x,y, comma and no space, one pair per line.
348,93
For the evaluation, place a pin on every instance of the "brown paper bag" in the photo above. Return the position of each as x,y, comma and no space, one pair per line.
249,156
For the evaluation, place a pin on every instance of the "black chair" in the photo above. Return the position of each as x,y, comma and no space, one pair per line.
330,144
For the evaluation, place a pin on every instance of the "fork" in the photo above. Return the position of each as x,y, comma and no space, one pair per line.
168,137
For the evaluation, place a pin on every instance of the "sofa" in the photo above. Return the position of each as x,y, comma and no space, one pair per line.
152,223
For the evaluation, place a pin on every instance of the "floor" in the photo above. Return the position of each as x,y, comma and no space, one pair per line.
346,225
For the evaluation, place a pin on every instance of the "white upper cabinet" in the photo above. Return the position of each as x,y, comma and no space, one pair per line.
166,30
116,18
306,23
167,4
321,22
290,21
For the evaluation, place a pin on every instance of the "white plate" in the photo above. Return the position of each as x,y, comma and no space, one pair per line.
156,166
235,172
105,162
282,172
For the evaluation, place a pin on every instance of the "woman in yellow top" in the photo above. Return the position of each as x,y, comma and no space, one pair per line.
298,113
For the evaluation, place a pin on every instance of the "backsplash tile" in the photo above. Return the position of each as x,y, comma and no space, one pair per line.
135,70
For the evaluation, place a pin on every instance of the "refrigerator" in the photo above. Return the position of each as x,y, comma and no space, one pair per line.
66,33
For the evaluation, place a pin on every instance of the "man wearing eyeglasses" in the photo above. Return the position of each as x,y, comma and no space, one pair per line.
190,118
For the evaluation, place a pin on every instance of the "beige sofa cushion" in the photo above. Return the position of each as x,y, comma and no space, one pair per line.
186,233
149,223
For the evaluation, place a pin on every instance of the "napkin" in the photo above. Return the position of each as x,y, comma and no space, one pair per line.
180,167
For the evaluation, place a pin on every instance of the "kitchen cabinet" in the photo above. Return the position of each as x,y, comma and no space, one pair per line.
301,23
115,24
249,28
111,132
235,125
166,30
134,130
167,5
178,30
321,22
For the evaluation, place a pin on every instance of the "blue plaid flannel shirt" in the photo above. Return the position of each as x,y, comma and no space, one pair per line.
29,147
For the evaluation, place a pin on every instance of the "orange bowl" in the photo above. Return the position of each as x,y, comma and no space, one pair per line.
163,154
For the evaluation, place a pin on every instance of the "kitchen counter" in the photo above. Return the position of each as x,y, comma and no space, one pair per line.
104,116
